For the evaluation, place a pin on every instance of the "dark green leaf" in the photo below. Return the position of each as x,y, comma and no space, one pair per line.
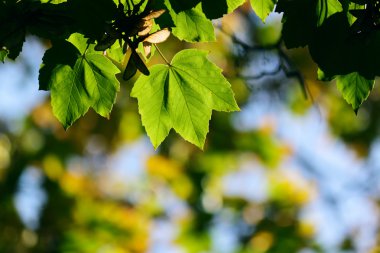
51,21
338,51
299,20
93,17
180,6
62,53
12,28
210,8
215,10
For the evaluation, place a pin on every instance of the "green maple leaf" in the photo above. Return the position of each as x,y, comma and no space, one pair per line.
89,81
182,96
68,96
101,82
191,25
262,8
354,88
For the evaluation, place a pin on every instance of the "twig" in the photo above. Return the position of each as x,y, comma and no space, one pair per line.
162,55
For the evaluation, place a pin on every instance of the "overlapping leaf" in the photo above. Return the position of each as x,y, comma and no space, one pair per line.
338,51
12,27
299,20
191,25
182,96
82,81
92,17
222,7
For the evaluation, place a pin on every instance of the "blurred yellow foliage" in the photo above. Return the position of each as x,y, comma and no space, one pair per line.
52,167
77,184
126,227
375,250
288,188
160,167
262,241
306,229
5,148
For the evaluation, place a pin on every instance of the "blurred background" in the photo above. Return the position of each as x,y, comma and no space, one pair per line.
294,171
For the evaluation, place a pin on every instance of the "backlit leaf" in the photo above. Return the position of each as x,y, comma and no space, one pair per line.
69,98
355,88
192,25
62,53
101,83
182,96
83,80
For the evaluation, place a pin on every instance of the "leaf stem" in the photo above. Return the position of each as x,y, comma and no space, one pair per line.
162,55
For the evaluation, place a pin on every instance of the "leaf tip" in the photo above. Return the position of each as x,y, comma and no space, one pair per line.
66,127
155,144
236,108
200,144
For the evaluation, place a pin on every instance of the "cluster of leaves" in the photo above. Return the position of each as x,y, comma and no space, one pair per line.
93,42
342,37
90,206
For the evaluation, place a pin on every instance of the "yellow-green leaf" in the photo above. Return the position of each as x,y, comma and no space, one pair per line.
262,8
355,88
